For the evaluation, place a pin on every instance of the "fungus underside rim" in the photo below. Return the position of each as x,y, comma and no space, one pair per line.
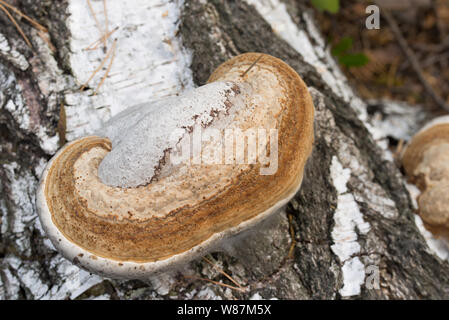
93,261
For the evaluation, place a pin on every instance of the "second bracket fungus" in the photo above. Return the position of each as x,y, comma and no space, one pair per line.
426,162
128,202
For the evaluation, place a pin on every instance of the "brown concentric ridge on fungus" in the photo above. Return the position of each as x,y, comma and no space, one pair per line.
188,209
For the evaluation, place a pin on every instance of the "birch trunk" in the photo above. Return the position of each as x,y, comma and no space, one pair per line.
350,232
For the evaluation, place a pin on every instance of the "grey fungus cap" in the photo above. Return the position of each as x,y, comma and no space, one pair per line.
116,205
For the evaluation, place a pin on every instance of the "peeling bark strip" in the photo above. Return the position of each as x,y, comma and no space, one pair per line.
348,184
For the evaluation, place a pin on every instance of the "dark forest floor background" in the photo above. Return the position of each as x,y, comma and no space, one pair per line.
389,73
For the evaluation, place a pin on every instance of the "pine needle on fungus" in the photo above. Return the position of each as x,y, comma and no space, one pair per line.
251,66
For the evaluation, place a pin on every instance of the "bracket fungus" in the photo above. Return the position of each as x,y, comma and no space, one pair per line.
426,163
116,203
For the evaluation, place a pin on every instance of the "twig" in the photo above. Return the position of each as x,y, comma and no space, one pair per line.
435,58
102,35
98,68
291,250
44,36
222,272
108,69
94,45
443,45
399,148
413,60
16,25
37,25
440,26
105,9
252,65
217,283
